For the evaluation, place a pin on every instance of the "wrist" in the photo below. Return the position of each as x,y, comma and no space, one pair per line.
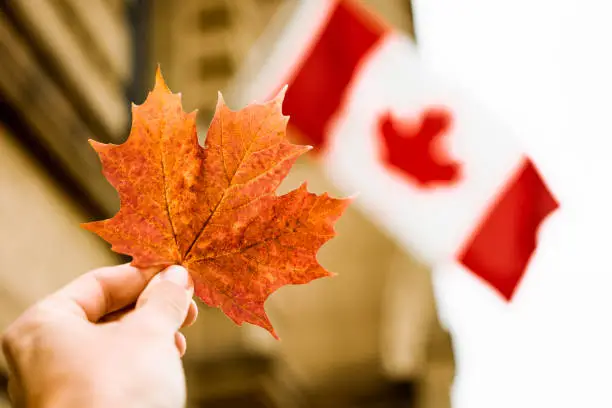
67,397
63,399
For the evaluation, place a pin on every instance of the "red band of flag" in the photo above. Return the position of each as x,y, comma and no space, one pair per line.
317,89
502,245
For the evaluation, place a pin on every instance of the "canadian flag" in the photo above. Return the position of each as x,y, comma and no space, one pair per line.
430,166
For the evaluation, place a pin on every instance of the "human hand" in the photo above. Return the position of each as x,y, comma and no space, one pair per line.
108,339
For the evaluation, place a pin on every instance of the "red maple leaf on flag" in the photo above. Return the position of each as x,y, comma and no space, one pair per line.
413,147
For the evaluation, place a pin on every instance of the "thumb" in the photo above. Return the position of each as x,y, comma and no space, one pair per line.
164,303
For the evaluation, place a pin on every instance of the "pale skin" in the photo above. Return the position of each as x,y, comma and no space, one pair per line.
110,338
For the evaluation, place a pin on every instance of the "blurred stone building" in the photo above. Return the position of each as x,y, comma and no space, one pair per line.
367,338
65,69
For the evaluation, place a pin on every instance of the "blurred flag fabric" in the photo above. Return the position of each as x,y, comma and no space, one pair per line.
430,165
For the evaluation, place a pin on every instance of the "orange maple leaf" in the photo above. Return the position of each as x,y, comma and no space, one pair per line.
214,209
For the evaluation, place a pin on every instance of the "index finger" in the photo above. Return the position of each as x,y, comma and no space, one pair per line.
105,290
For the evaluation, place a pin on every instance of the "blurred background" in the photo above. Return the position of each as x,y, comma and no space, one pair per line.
69,69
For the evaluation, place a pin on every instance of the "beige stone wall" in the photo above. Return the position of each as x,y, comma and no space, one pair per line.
41,244
334,323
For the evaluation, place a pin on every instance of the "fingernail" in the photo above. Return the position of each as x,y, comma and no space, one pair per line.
176,274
